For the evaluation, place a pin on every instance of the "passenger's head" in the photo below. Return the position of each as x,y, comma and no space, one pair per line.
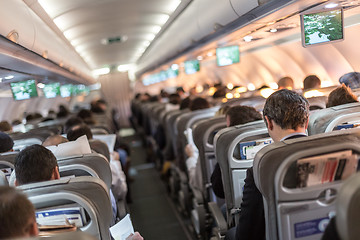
351,80
312,81
35,164
86,116
78,131
54,140
199,103
6,143
63,112
222,111
73,121
185,103
174,99
241,114
341,95
17,215
286,83
285,111
5,126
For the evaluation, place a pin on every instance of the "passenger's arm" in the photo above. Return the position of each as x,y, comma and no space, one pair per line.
216,182
135,236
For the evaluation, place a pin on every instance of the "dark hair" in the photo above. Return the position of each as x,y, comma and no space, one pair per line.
63,112
15,212
84,113
341,95
311,81
78,131
242,114
174,99
286,108
5,126
285,83
185,103
6,142
199,103
34,164
73,121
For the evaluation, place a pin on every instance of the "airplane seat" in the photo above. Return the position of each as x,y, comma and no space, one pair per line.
233,169
7,160
326,120
97,130
296,204
317,102
203,133
79,235
348,209
87,192
3,179
100,147
20,144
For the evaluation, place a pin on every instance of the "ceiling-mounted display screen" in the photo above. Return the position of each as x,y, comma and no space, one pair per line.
192,66
51,90
227,55
24,90
66,90
80,90
322,27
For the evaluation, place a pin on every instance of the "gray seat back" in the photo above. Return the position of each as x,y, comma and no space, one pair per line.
92,164
325,120
88,192
3,179
183,123
348,209
20,144
204,133
233,169
7,160
78,235
289,211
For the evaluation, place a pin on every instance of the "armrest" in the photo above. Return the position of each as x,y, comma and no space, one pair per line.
218,217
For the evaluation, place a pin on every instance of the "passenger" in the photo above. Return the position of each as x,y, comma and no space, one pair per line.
286,115
351,80
17,215
286,83
71,122
35,164
199,103
6,143
86,116
174,102
5,126
341,95
235,116
54,140
311,82
185,103
223,110
63,112
180,91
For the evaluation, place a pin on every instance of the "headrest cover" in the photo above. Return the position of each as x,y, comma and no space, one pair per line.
6,143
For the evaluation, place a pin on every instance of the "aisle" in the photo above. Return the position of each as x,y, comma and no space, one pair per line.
152,212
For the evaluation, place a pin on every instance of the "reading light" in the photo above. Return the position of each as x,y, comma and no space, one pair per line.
224,100
199,58
248,38
101,71
326,84
331,5
209,54
236,95
251,87
199,88
229,96
40,85
241,89
273,30
211,91
174,67
9,77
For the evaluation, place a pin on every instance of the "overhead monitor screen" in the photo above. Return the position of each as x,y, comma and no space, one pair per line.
24,90
80,89
227,55
322,27
192,66
66,90
52,90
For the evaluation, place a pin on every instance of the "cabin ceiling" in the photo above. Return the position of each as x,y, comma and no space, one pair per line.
130,25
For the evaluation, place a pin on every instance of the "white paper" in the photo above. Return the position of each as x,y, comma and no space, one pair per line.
77,147
109,139
122,229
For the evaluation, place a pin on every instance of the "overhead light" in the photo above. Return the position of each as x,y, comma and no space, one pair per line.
156,29
274,85
199,58
313,93
60,23
266,92
163,18
75,42
199,89
68,34
209,54
40,85
273,30
331,5
101,71
251,87
229,96
124,67
241,89
150,37
248,38
326,84
0,79
174,67
147,43
230,86
9,77
174,5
